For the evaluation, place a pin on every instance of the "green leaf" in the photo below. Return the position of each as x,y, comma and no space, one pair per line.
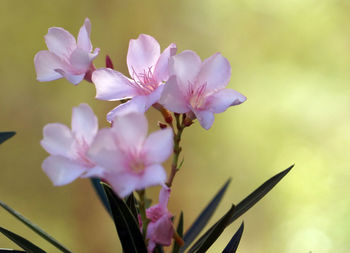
11,251
5,136
204,217
258,194
131,203
125,223
234,242
204,243
179,230
96,183
20,241
35,228
251,200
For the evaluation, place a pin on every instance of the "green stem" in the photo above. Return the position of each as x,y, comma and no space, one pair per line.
142,207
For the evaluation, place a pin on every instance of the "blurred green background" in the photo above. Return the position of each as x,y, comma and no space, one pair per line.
291,58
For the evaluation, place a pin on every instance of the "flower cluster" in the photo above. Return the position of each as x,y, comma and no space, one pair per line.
123,155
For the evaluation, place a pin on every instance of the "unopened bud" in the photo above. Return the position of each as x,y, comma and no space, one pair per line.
162,125
109,63
187,122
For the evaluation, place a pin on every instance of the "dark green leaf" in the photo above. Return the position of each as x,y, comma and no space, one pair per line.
234,242
258,194
179,231
20,241
252,199
131,203
126,225
11,251
96,183
5,136
204,217
204,243
35,228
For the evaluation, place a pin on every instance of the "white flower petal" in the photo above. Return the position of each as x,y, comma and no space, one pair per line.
84,36
58,140
62,170
205,118
84,123
158,146
45,64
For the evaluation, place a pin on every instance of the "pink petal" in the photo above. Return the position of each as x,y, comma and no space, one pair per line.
80,61
159,146
45,65
62,170
205,118
84,123
161,70
84,36
143,54
112,85
164,195
60,42
161,231
130,130
96,171
105,152
153,97
58,140
224,98
215,72
137,104
94,54
152,175
186,67
122,183
172,97
73,78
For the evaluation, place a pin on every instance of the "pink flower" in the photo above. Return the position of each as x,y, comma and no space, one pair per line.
131,161
68,148
65,57
199,87
160,228
148,69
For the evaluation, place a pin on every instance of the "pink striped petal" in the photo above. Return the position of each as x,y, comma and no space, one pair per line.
215,72
143,54
158,146
45,64
60,42
161,70
112,85
84,123
84,36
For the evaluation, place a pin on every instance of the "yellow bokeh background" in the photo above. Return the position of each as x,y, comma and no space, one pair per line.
291,58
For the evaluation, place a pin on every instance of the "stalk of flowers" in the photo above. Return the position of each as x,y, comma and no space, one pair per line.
181,87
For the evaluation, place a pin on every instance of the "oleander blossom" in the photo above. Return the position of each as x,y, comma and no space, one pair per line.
132,161
148,69
198,88
67,148
160,228
65,56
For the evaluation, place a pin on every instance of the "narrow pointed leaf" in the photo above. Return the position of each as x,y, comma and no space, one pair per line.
131,203
179,231
128,230
35,228
11,251
204,217
252,199
234,242
258,194
5,136
204,243
20,241
96,183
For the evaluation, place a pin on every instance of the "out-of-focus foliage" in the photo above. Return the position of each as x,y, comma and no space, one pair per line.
291,58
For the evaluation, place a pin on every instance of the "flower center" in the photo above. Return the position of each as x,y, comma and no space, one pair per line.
137,166
197,95
145,81
81,149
